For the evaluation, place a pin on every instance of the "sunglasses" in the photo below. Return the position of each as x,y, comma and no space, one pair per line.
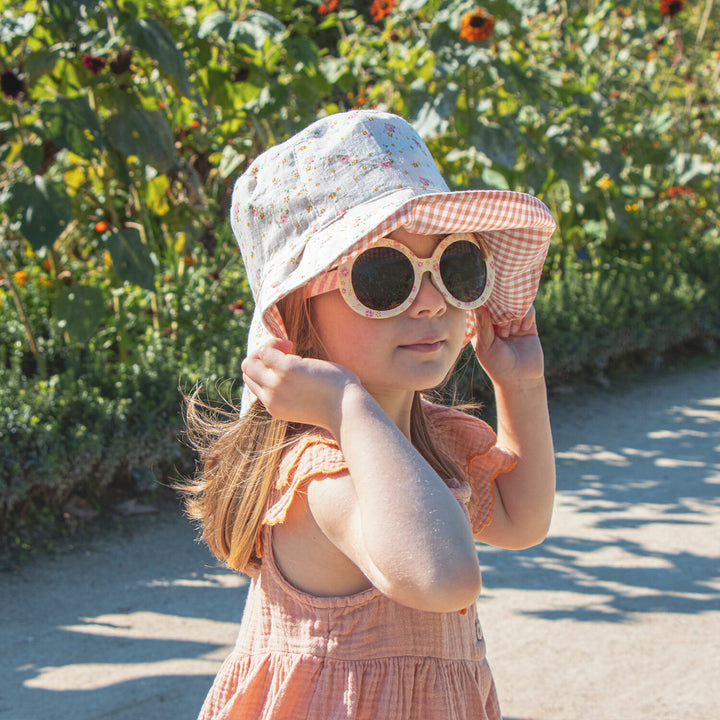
384,280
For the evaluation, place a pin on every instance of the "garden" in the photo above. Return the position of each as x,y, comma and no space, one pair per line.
124,124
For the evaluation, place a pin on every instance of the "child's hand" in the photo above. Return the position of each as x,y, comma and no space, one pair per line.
511,351
296,389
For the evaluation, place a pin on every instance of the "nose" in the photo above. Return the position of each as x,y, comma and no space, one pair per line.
429,301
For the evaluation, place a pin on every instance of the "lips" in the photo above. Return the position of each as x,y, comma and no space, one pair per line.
427,344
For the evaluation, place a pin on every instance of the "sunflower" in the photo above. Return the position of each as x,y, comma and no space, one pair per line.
381,8
477,25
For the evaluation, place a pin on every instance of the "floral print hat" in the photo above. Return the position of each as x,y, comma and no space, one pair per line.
351,178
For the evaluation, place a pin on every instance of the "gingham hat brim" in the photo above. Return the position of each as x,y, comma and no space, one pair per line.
516,226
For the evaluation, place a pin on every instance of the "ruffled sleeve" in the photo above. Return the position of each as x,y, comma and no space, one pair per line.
312,457
472,444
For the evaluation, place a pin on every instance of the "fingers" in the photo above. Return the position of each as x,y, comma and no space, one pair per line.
520,326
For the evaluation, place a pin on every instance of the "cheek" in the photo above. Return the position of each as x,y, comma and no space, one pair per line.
336,324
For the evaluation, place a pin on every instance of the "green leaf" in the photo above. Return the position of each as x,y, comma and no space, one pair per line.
41,62
434,116
494,179
16,27
71,124
230,161
131,259
216,22
79,310
495,142
153,37
411,5
146,134
32,156
65,13
44,211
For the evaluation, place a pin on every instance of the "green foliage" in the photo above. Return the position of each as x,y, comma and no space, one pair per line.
122,127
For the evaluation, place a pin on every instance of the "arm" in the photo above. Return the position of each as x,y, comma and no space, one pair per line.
393,516
512,357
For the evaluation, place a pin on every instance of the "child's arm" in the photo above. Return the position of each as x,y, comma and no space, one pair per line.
393,516
513,359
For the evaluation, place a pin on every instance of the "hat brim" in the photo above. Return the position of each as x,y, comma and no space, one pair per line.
516,226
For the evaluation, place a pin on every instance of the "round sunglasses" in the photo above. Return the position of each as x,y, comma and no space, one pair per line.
384,280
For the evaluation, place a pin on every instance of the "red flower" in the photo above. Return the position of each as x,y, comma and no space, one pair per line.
328,7
679,191
94,64
101,226
477,25
671,7
381,8
12,84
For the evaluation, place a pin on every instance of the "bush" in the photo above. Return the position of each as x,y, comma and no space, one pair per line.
122,128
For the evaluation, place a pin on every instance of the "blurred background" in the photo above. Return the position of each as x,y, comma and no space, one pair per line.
124,124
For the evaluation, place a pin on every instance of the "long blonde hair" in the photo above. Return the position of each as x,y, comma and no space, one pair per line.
238,456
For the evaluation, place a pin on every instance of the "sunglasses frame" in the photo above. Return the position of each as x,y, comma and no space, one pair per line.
343,277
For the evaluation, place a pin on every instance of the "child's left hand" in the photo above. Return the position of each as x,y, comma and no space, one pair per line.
511,351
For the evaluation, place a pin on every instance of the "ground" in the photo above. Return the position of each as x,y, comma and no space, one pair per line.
616,615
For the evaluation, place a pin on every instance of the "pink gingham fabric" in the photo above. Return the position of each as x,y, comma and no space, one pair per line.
350,178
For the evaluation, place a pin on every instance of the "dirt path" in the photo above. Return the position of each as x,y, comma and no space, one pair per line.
616,615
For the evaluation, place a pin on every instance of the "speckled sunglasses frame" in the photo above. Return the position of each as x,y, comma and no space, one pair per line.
387,298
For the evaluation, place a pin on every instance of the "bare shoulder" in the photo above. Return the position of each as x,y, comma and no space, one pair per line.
304,551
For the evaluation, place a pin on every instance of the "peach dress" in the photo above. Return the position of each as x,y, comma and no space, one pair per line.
363,656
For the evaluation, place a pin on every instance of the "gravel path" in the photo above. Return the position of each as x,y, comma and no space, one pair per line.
616,615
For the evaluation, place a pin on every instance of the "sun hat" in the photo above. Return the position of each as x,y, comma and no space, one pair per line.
351,178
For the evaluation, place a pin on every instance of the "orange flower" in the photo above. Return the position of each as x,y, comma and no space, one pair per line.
680,191
477,25
671,7
189,261
101,226
328,7
20,277
381,8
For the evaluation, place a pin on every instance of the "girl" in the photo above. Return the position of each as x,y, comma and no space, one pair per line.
352,501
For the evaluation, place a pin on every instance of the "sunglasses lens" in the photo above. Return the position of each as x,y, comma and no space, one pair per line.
382,278
463,270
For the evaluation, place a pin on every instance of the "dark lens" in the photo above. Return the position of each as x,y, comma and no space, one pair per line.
382,278
463,270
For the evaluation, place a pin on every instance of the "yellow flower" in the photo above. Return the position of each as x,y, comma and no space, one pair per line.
604,182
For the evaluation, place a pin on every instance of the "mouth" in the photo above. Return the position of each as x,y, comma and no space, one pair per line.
425,345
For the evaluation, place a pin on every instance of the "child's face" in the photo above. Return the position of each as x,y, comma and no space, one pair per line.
411,351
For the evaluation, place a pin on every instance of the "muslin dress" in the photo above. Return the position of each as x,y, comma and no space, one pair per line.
363,656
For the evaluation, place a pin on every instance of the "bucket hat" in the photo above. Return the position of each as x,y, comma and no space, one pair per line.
351,178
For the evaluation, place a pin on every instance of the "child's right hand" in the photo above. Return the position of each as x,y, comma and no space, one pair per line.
302,390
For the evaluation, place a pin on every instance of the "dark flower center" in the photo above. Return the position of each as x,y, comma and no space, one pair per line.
11,85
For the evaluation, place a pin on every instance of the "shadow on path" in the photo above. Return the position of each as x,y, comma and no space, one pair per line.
642,500
139,634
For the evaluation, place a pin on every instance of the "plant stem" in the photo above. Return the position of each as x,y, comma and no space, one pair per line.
704,21
17,300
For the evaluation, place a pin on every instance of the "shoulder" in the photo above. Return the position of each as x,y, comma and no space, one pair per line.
311,456
457,431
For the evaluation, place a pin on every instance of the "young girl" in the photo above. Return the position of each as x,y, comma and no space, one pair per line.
352,501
